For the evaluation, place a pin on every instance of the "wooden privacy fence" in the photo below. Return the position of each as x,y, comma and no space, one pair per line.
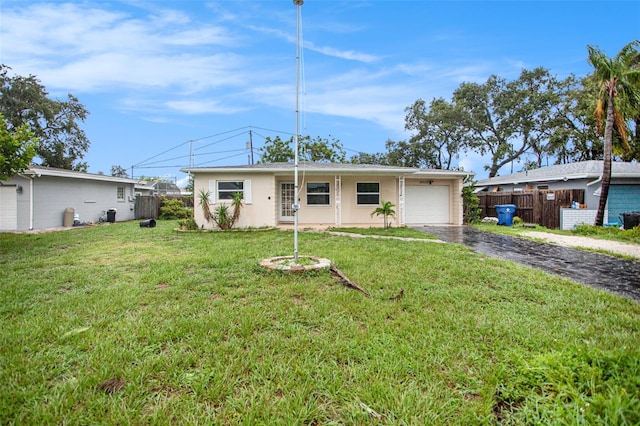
541,207
148,206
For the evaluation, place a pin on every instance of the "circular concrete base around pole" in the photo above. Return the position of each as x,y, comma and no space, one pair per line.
305,263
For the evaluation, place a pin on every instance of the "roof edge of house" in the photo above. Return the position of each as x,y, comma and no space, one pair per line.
38,171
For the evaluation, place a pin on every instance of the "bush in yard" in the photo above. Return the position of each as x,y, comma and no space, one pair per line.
188,224
223,216
174,208
471,204
517,221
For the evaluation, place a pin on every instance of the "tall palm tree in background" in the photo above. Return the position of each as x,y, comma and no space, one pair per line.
618,80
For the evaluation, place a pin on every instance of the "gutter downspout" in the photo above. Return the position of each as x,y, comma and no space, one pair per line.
401,199
30,179
594,182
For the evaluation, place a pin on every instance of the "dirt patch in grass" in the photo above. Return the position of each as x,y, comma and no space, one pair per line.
113,385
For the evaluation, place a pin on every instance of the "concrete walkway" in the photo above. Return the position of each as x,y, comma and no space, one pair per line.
617,247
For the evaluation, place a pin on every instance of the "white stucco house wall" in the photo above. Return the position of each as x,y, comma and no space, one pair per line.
332,194
38,197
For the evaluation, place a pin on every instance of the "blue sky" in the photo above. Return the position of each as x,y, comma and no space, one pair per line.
156,74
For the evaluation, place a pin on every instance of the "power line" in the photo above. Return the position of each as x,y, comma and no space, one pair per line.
219,159
246,128
219,141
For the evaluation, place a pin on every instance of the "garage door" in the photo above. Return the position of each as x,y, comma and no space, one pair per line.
8,208
622,199
427,204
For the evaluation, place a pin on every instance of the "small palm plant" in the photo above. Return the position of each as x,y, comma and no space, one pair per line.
386,210
221,216
204,196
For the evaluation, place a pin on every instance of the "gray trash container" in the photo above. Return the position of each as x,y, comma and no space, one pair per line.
630,220
111,215
67,220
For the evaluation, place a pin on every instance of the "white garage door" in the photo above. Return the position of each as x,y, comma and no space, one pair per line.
8,208
427,204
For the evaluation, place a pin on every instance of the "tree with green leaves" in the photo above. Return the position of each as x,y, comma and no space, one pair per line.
506,120
119,171
619,92
574,137
314,150
530,104
438,137
56,123
386,210
378,158
18,146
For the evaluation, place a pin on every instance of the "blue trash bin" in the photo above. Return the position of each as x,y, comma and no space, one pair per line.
505,214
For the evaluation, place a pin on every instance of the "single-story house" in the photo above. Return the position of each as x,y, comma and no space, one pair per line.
332,194
38,198
624,189
167,189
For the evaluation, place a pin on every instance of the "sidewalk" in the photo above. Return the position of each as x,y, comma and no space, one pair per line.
617,247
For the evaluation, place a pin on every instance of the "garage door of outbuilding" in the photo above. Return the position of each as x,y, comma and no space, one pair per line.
622,199
8,208
427,204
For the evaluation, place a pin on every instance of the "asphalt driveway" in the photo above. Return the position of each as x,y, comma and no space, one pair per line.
598,270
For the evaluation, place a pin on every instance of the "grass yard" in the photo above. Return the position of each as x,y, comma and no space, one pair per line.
398,232
118,324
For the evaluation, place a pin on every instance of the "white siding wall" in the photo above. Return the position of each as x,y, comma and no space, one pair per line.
52,195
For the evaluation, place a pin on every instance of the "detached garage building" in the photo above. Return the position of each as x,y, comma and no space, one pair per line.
332,194
38,198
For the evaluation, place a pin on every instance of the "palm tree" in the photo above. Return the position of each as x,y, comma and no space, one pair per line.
617,79
205,198
385,209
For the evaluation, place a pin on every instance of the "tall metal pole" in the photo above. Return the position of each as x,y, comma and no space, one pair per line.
251,145
296,206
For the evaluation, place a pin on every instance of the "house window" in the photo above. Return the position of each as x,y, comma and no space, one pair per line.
223,190
543,186
226,189
120,193
368,193
318,193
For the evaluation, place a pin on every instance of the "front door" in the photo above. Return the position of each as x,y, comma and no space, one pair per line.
287,198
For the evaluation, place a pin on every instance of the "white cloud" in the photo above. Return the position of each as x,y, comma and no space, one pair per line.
206,106
350,55
162,62
86,49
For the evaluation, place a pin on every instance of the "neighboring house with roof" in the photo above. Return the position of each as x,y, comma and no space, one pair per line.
624,190
168,189
332,194
38,197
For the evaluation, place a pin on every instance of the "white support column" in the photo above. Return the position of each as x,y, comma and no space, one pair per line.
338,201
401,188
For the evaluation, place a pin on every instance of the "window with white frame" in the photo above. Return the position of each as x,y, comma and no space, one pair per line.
368,193
318,193
120,193
226,189
223,190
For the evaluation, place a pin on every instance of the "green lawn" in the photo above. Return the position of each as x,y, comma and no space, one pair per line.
400,232
118,324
